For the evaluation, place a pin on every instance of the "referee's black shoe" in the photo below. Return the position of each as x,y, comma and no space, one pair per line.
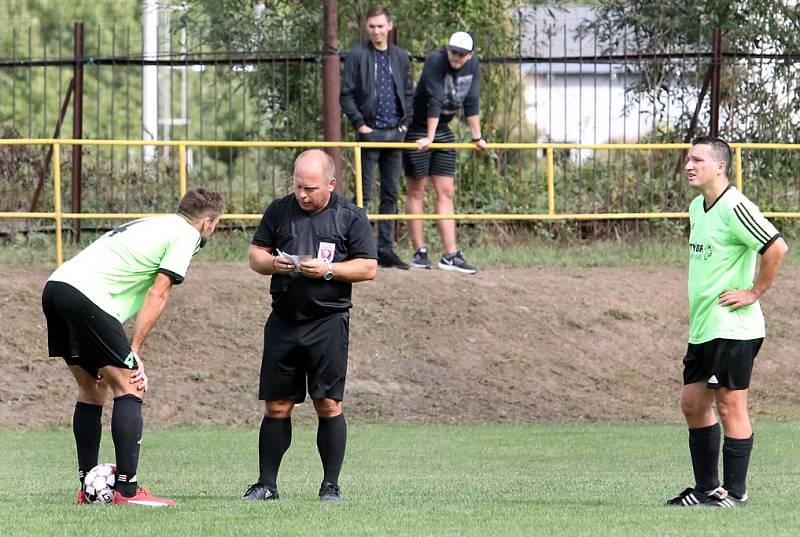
329,492
387,258
260,491
696,498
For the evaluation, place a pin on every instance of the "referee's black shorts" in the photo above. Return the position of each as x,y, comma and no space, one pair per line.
419,164
300,352
721,363
82,333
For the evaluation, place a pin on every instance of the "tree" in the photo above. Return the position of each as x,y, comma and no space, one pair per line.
760,78
684,31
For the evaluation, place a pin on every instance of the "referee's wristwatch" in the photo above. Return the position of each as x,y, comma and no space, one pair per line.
329,273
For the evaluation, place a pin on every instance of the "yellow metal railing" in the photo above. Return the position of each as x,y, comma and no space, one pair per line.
58,215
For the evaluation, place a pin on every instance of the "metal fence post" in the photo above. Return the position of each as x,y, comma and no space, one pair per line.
182,169
57,201
716,81
359,183
332,113
738,152
77,129
551,191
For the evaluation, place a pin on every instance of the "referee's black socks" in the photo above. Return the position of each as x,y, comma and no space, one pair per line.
87,428
274,438
126,430
331,442
735,460
704,448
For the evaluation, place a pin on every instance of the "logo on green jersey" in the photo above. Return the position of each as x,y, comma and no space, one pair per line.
130,360
700,251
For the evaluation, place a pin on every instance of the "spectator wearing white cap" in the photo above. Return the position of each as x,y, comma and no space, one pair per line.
450,80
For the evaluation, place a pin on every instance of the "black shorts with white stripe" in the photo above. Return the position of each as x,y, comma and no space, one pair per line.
419,164
722,363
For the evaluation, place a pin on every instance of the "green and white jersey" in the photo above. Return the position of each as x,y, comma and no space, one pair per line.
724,244
116,271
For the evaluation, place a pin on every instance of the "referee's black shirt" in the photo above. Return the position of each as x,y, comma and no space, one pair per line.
287,226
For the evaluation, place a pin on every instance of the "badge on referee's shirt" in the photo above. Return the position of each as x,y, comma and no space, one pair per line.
326,251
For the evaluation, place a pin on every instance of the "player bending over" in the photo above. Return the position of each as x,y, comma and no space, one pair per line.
130,269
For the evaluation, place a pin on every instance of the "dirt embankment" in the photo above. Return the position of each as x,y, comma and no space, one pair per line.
510,345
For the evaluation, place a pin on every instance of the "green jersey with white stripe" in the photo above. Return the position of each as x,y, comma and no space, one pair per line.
724,244
116,271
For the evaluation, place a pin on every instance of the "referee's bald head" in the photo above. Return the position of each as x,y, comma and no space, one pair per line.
317,157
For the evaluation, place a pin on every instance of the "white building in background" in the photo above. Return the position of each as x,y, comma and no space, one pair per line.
577,102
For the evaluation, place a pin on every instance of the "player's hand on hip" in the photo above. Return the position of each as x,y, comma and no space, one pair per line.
424,143
138,376
736,299
313,268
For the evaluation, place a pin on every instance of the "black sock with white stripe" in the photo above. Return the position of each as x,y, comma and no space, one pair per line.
704,448
735,461
87,429
126,429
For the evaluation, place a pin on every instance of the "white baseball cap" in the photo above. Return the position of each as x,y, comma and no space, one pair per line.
461,42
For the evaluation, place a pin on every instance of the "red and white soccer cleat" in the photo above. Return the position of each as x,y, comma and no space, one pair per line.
82,498
142,497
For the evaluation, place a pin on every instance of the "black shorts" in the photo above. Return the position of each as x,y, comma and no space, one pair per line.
722,363
419,164
298,351
82,333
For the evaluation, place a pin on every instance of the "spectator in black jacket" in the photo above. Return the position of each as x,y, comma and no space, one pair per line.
376,96
450,79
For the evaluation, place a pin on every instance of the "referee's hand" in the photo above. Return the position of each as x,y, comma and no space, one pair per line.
282,265
313,268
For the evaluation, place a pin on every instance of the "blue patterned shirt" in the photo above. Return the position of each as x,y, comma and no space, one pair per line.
387,113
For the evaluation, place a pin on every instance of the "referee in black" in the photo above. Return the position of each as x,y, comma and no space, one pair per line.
315,245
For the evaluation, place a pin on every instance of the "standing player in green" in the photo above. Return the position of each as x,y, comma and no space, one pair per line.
130,269
726,326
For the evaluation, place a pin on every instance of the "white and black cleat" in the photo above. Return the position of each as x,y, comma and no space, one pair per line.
696,498
732,502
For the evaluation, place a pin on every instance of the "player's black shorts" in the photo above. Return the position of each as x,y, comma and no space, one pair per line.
82,333
725,363
419,164
296,352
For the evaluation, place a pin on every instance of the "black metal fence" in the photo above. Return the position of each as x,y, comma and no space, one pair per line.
562,84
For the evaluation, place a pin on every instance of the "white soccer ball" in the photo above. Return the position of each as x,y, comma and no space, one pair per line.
98,486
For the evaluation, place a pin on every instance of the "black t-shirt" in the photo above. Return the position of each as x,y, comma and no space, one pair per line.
441,90
341,226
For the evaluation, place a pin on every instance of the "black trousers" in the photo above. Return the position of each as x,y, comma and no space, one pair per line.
390,164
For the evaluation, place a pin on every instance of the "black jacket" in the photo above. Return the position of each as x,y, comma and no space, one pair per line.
441,90
357,95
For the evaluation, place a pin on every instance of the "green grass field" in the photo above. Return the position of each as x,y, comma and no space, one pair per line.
492,480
